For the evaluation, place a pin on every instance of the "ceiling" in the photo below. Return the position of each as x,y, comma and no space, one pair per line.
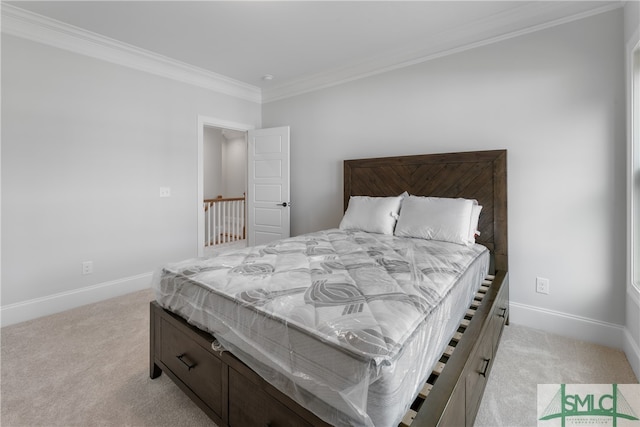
308,44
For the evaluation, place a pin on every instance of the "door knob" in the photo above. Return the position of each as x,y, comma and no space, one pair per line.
283,204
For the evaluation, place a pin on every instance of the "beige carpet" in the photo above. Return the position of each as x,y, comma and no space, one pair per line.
89,367
528,357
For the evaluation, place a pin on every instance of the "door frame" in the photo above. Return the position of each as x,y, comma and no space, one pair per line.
204,121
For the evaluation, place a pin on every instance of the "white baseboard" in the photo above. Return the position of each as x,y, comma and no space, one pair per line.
632,351
568,325
44,306
631,343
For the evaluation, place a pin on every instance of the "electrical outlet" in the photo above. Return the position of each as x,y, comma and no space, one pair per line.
87,267
542,285
165,191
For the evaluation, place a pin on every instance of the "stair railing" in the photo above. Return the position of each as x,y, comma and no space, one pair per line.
224,220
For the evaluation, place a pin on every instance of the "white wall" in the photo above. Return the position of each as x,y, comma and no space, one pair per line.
86,145
212,144
225,163
632,338
555,100
235,166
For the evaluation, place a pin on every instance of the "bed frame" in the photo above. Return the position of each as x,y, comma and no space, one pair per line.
231,394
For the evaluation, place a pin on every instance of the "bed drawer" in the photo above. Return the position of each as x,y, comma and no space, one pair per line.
250,405
200,370
480,363
481,360
501,312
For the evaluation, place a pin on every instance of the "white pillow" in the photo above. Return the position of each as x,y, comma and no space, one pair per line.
473,226
436,218
371,214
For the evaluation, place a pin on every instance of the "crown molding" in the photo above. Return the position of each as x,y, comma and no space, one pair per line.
28,25
499,27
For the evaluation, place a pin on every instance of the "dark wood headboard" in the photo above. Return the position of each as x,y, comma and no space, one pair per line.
480,175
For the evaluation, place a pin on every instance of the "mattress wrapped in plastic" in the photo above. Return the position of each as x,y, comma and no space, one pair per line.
347,323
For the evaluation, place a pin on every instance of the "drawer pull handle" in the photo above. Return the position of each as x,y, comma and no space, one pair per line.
485,368
188,365
504,311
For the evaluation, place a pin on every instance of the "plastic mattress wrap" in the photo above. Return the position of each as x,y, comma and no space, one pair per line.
349,324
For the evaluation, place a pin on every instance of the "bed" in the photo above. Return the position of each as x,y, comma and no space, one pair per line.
288,353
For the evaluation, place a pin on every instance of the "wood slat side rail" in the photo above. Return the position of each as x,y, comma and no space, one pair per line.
428,411
448,352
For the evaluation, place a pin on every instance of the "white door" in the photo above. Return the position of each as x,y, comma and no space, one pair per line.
268,185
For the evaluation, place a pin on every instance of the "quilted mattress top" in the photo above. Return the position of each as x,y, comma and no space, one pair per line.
366,293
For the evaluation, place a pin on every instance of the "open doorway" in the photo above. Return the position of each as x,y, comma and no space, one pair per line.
267,208
224,157
222,184
224,163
